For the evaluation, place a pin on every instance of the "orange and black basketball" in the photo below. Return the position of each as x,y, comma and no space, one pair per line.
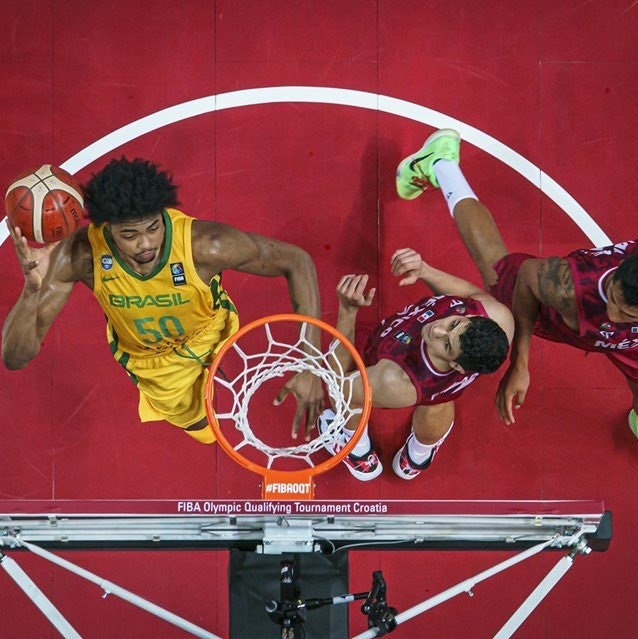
46,204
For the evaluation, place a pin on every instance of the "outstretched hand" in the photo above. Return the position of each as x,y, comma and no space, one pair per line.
308,391
33,261
350,291
407,262
511,392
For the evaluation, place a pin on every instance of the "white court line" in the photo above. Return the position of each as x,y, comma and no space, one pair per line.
344,97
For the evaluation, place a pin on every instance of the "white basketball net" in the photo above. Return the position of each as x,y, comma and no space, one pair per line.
279,359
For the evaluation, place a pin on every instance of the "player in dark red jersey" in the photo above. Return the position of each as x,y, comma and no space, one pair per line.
425,356
588,299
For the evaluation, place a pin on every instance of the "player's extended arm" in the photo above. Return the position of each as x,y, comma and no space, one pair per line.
217,247
299,270
391,386
48,282
407,264
539,281
352,296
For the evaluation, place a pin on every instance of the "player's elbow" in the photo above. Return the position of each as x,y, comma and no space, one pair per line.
13,361
12,365
305,263
302,267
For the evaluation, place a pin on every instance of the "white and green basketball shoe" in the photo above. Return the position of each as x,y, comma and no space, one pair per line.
415,173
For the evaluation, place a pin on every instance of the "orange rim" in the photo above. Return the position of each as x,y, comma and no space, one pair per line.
272,476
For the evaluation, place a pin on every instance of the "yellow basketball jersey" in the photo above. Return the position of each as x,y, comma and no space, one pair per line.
155,313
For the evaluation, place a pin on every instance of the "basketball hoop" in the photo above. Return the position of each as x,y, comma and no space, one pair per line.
270,348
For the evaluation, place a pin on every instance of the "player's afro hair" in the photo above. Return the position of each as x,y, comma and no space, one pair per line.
126,190
484,346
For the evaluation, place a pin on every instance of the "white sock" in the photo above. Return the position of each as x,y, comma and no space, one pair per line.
453,184
419,452
362,446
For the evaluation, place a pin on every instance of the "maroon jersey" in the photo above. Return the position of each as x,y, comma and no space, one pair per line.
590,270
398,338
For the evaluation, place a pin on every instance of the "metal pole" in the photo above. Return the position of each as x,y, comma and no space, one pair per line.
30,589
111,588
535,597
464,586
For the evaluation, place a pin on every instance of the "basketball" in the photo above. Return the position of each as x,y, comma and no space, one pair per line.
45,204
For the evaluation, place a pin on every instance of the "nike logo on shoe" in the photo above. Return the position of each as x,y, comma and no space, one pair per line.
417,160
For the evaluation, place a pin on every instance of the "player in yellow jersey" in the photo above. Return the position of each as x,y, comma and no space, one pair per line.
156,273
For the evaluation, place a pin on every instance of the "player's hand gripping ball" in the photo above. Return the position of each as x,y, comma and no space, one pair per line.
46,204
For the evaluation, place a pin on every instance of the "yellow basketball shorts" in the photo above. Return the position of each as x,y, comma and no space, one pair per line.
171,385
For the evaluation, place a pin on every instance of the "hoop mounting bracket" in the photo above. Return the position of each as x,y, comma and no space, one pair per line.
287,535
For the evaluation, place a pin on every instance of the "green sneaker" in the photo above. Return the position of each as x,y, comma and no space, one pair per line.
415,174
633,422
